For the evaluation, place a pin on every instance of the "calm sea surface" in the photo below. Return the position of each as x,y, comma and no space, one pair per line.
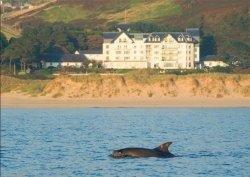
77,142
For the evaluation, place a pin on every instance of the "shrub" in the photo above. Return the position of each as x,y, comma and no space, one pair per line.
246,91
150,94
56,95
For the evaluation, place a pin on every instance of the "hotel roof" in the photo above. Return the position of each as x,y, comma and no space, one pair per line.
56,57
110,37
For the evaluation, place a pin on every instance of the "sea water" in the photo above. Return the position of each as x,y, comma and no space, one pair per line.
77,142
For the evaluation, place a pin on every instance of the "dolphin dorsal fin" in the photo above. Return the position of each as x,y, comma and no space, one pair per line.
164,147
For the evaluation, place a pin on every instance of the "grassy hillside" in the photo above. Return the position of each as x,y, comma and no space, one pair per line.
63,13
225,23
140,10
224,17
137,10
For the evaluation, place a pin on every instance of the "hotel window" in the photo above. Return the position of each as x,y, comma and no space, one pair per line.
126,58
107,52
107,46
126,52
118,52
107,58
134,52
169,65
117,58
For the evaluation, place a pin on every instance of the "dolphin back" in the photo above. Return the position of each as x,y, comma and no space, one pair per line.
163,147
161,151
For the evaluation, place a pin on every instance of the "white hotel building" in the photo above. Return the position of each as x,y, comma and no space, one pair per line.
165,50
124,50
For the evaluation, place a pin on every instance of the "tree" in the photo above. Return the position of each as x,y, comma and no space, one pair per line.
44,38
238,51
208,45
3,42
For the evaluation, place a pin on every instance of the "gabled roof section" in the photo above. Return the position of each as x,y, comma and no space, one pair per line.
123,27
194,32
155,35
56,57
212,58
121,33
110,36
175,35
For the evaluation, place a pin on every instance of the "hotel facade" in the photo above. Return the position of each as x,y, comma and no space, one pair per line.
125,50
163,50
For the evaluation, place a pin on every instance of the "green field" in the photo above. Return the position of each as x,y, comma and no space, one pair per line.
137,10
63,13
141,11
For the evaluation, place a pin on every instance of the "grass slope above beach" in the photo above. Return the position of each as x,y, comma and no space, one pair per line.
137,10
136,85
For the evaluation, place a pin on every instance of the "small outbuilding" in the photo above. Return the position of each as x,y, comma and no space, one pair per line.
62,60
213,61
96,55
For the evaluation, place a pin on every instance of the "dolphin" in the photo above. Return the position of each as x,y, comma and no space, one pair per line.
160,152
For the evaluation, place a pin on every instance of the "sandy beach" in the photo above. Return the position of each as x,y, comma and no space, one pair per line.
16,100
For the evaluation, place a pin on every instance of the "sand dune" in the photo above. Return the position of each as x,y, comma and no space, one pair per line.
205,90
